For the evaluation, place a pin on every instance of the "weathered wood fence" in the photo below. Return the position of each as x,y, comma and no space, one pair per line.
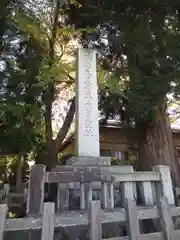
4,192
153,185
64,177
94,218
12,199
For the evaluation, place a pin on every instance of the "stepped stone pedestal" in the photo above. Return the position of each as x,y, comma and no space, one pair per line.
89,161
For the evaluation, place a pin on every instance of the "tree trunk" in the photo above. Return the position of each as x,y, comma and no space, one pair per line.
52,152
19,176
54,145
51,155
156,146
66,125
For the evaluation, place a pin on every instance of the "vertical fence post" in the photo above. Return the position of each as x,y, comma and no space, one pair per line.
48,221
127,192
94,219
89,193
36,190
3,211
63,197
104,195
166,219
164,188
132,220
6,194
146,192
82,196
111,196
128,189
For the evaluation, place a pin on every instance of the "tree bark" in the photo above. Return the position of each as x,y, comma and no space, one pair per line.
66,125
156,146
49,136
48,96
53,146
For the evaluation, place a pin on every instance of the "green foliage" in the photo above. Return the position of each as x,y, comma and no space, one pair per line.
20,98
131,161
148,35
31,74
138,59
75,3
30,26
56,72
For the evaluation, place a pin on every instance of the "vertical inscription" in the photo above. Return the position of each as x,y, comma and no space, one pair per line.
87,129
88,97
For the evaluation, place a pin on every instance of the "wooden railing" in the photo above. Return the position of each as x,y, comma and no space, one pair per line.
13,199
153,185
4,193
94,218
132,217
63,177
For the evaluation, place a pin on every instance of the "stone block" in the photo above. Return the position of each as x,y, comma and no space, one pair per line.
89,161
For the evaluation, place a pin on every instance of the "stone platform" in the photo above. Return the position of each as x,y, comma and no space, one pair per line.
102,163
89,161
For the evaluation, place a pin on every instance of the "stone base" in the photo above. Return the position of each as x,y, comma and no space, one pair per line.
89,161
101,162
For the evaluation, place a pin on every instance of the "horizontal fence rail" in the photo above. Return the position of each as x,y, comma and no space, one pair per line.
132,222
137,177
83,175
155,185
94,218
151,185
75,218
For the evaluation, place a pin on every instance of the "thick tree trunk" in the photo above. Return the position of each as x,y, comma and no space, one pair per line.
51,155
66,125
19,176
57,143
156,146
52,151
54,145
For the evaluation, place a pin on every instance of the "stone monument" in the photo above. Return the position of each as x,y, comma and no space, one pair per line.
87,124
87,115
87,129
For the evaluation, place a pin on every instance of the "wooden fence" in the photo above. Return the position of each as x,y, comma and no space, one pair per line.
13,199
94,218
153,185
4,192
132,218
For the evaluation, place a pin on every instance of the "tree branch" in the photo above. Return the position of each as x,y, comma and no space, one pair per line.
66,125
